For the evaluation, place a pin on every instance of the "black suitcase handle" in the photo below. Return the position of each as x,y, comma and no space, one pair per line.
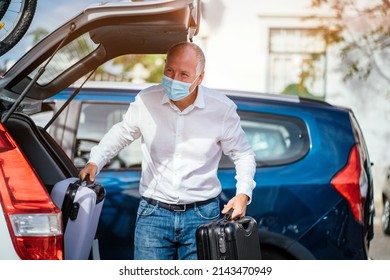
228,214
247,223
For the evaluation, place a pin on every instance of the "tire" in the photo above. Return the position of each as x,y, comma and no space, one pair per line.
386,216
20,25
4,4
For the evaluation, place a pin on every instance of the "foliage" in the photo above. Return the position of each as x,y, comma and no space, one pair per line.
38,34
301,90
362,31
152,66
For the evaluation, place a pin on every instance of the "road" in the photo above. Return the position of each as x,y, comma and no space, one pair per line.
380,245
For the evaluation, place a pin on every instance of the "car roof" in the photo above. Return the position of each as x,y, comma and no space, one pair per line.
122,88
113,29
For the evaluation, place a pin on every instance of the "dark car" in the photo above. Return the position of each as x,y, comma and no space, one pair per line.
386,204
313,197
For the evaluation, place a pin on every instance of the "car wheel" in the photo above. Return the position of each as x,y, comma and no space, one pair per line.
386,217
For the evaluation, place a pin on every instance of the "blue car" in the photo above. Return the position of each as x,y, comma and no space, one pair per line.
314,193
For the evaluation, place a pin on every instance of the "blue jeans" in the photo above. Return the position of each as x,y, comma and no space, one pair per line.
162,234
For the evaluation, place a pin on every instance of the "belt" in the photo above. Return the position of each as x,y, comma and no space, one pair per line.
176,207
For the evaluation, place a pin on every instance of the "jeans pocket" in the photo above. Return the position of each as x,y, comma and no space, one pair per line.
145,209
210,211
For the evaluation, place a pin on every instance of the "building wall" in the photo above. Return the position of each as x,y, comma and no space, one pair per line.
234,37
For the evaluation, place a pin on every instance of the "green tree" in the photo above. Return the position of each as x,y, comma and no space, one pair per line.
153,64
38,34
361,31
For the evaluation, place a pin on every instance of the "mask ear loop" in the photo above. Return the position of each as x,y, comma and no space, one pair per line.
197,77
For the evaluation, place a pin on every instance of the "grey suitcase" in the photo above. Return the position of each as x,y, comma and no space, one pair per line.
81,206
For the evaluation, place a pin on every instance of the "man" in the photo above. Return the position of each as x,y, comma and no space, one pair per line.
184,128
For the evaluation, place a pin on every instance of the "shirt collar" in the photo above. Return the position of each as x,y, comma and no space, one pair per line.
199,101
165,99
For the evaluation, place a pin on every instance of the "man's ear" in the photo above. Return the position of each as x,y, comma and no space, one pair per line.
200,79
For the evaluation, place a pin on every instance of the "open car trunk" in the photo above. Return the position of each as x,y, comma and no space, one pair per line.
73,51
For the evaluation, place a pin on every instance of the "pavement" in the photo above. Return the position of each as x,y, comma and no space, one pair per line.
380,245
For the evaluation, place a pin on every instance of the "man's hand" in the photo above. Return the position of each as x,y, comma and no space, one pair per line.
238,203
90,169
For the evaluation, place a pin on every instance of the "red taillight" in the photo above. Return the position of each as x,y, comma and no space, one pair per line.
34,222
348,182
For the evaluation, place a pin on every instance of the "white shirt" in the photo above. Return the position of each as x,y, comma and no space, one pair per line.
182,149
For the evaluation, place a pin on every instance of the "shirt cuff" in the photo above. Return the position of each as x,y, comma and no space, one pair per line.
246,189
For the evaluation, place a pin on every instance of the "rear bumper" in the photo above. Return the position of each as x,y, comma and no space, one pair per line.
7,251
337,235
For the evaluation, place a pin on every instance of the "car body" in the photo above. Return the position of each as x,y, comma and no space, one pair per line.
386,203
313,197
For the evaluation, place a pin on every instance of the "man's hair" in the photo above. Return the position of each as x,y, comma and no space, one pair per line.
200,57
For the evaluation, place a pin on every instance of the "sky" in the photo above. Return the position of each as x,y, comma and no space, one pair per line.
50,14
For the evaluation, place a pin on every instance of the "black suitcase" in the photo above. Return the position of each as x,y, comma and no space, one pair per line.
227,239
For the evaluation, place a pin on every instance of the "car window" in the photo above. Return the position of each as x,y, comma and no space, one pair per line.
95,120
44,116
66,57
275,139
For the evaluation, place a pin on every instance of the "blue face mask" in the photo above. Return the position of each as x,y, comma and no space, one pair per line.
174,89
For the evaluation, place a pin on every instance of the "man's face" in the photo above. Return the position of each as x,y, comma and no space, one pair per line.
181,65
